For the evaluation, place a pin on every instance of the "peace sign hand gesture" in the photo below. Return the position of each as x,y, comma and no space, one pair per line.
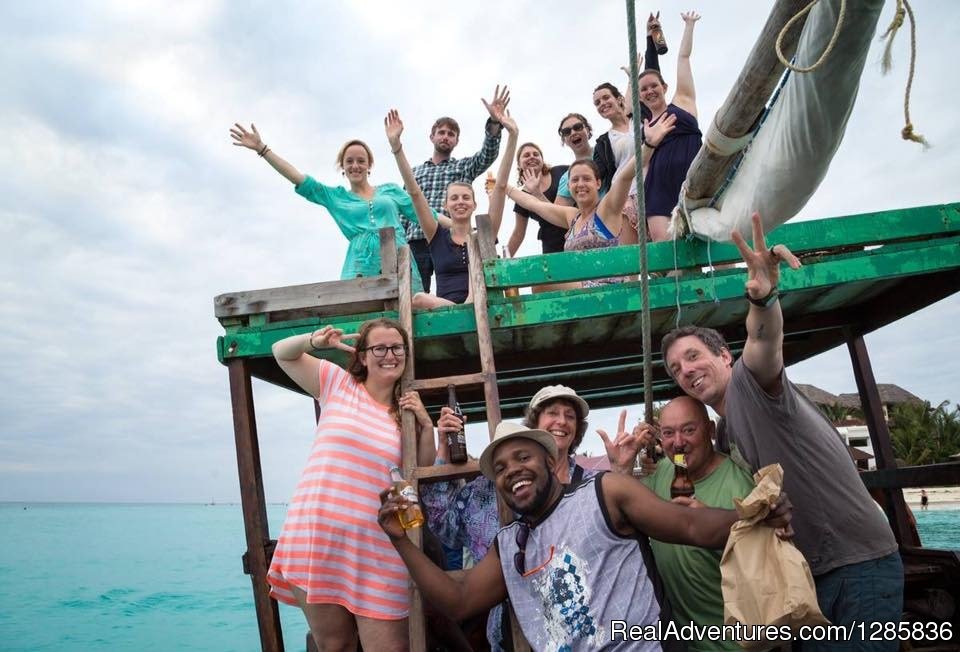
763,265
330,337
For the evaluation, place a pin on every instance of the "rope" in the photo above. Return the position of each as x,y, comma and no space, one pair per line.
641,219
903,8
826,52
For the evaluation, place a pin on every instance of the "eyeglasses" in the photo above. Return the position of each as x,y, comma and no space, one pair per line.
520,558
566,131
380,350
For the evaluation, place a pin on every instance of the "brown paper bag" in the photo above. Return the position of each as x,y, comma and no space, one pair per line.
765,581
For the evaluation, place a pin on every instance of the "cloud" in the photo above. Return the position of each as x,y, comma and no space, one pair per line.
125,208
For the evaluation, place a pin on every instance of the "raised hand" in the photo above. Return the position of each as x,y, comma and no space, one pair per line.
393,126
509,123
763,265
498,106
243,138
330,337
689,17
653,134
626,69
622,451
411,401
530,180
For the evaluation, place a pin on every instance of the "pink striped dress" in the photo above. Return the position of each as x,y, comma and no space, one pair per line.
331,545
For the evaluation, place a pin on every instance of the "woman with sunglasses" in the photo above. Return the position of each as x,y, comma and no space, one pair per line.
467,517
668,156
575,132
448,246
330,559
359,212
542,181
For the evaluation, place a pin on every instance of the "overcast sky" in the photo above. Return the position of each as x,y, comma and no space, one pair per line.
124,208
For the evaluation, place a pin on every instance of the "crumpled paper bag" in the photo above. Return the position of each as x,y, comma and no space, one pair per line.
765,580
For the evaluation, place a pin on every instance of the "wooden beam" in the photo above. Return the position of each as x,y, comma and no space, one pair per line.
469,469
441,383
929,475
880,437
340,294
738,114
388,250
254,504
484,341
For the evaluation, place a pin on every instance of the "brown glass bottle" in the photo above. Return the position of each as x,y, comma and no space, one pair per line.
682,485
659,40
456,441
411,516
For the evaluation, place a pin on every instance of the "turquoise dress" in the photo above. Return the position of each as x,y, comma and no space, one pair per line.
360,221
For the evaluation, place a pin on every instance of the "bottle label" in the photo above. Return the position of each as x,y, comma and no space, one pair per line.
408,494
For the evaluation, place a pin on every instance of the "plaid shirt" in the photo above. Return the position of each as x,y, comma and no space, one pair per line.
433,178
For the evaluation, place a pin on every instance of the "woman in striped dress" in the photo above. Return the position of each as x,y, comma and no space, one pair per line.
332,558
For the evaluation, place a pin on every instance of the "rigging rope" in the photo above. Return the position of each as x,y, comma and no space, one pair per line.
641,217
827,51
903,8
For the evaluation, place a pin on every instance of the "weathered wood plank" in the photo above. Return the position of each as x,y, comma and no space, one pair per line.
440,383
345,295
469,469
930,475
388,250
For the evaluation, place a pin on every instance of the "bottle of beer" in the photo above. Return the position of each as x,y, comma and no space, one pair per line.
682,484
659,40
456,441
412,515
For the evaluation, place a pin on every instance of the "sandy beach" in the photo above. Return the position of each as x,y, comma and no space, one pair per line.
940,498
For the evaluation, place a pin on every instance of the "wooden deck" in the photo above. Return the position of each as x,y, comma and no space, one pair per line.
860,273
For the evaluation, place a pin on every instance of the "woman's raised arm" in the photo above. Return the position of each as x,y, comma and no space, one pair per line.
499,194
251,140
686,96
393,126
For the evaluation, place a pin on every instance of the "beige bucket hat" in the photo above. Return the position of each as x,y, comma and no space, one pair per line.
508,430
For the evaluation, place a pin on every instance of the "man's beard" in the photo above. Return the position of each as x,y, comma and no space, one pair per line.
541,496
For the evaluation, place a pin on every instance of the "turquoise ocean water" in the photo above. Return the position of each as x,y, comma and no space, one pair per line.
99,577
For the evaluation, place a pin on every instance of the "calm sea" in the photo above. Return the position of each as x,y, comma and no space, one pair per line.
76,577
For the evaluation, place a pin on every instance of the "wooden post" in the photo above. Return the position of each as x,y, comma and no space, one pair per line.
475,252
254,503
879,436
416,622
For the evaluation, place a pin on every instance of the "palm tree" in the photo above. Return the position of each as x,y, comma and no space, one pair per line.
923,434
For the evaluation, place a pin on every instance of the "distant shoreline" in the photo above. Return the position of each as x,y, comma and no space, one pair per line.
939,498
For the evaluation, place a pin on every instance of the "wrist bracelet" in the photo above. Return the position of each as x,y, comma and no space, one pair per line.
764,302
263,151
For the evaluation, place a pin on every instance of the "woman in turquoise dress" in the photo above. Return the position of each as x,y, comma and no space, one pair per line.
359,212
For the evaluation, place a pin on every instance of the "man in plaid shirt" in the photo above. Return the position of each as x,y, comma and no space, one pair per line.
436,173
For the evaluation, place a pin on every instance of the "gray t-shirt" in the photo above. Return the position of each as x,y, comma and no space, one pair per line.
586,575
836,521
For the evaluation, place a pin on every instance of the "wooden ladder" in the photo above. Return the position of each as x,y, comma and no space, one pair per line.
480,247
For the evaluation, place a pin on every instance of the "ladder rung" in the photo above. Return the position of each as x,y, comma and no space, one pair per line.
439,383
468,469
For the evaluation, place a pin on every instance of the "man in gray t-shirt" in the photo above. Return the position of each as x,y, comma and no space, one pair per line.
841,531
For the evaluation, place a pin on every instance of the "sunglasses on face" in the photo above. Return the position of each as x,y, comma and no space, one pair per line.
380,350
566,131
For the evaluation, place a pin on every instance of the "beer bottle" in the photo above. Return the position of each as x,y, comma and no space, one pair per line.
456,440
656,33
682,485
411,516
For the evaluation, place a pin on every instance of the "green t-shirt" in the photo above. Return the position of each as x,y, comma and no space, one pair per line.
691,576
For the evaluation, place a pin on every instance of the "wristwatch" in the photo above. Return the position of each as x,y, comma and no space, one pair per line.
764,302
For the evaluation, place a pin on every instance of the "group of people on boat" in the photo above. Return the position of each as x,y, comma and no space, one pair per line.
590,204
585,549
